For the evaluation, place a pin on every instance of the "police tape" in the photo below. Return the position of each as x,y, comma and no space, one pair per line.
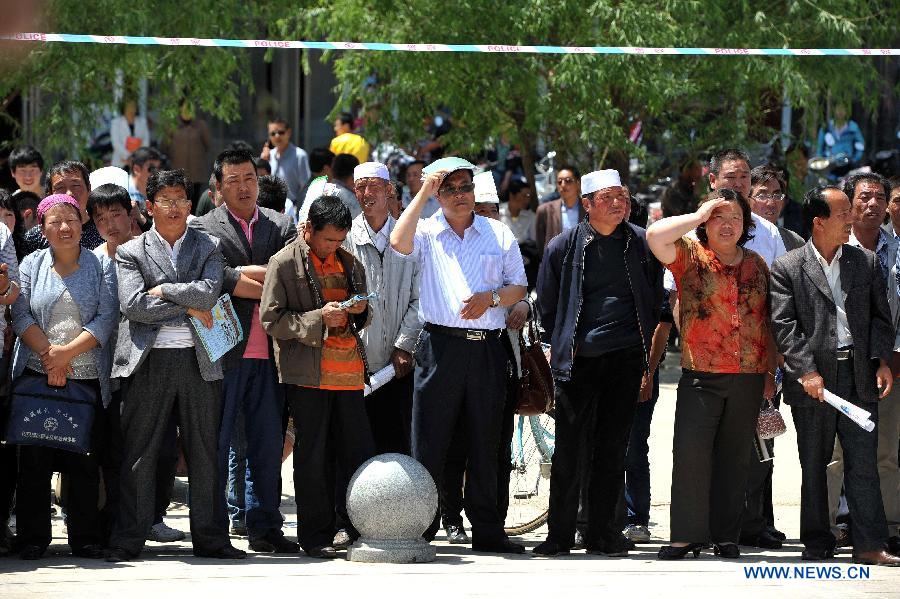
130,40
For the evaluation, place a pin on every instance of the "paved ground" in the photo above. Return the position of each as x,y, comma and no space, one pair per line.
458,572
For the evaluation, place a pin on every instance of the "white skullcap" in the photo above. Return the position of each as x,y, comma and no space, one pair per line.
109,174
485,188
371,169
598,180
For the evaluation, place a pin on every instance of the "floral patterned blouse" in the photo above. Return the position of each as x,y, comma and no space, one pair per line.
723,309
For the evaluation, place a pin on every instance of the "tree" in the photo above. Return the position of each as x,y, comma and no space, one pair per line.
78,81
583,104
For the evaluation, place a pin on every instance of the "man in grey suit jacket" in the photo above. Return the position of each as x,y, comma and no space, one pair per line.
165,275
248,236
832,323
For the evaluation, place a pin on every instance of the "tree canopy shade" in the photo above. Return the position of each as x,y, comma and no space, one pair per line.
583,104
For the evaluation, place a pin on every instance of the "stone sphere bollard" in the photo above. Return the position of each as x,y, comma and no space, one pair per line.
391,501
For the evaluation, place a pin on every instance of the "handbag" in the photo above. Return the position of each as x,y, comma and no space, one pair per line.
769,423
57,417
534,393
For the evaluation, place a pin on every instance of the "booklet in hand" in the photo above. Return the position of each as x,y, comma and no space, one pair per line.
226,331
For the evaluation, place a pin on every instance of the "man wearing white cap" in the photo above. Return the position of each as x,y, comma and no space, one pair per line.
391,337
600,293
471,271
487,202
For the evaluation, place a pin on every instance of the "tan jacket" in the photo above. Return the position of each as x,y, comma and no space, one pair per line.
290,310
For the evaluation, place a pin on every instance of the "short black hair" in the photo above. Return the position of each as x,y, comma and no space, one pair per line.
639,213
230,156
8,202
722,156
570,167
273,192
159,180
144,154
346,118
319,158
765,173
342,166
259,163
25,200
63,167
815,204
329,210
107,196
25,155
732,196
239,144
516,184
279,120
854,180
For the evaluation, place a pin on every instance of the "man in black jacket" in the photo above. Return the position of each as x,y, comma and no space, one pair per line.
600,291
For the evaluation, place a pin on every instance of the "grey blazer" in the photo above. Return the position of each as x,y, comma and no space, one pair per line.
804,320
142,264
271,233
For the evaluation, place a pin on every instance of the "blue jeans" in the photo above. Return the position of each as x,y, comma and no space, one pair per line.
637,463
237,471
253,385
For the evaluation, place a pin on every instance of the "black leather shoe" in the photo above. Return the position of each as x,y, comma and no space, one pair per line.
894,545
501,546
763,540
727,550
32,552
670,552
816,555
456,535
550,549
776,533
91,551
117,554
615,547
274,542
325,552
226,552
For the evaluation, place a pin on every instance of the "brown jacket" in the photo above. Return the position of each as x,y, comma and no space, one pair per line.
548,223
290,310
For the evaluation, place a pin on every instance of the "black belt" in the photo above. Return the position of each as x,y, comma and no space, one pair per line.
845,353
467,334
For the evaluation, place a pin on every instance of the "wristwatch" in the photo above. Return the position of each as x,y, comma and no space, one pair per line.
495,299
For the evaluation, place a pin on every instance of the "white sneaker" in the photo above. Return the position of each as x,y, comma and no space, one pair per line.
164,534
637,533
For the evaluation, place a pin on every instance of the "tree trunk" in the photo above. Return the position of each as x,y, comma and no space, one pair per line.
526,141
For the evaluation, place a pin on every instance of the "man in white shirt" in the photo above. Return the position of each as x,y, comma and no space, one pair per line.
471,271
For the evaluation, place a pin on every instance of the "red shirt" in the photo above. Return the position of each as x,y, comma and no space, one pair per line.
724,310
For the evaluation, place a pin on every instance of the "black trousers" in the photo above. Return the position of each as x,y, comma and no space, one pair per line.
37,465
332,440
758,499
462,382
168,377
594,412
715,419
390,415
9,470
111,465
816,427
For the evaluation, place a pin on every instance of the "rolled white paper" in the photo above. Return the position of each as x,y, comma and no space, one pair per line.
379,379
851,411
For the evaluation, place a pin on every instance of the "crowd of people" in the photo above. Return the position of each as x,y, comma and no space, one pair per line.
338,268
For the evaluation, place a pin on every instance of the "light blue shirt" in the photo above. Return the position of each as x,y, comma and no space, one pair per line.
293,167
453,269
569,217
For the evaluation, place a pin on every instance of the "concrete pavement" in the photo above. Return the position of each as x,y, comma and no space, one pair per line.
457,572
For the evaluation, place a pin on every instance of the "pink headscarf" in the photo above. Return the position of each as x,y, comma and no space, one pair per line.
53,200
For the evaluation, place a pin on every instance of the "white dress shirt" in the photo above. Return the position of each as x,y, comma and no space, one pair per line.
767,241
522,226
453,269
833,275
173,336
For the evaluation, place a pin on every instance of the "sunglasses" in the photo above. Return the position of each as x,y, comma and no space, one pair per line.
451,191
277,132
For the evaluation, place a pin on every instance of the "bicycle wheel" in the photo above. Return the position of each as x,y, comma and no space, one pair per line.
529,483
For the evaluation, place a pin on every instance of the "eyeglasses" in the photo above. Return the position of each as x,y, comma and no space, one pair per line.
765,197
452,191
566,180
170,204
277,132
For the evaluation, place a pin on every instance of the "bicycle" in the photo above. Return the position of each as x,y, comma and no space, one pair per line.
533,444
